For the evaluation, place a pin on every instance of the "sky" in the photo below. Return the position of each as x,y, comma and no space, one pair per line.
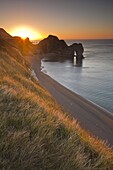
67,19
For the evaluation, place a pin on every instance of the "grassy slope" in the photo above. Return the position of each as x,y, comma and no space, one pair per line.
35,133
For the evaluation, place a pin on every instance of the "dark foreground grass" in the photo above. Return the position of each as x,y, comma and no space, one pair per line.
35,133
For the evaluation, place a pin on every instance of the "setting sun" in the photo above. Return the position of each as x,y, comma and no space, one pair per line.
25,32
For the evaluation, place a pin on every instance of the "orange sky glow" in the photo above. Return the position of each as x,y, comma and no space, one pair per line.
26,31
67,19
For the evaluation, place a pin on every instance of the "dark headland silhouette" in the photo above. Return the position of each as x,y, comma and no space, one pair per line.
60,49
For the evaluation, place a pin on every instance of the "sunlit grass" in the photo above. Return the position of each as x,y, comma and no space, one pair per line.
35,132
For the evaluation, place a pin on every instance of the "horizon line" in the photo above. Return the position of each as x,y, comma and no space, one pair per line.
77,39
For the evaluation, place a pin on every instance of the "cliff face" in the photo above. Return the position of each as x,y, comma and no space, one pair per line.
52,44
15,44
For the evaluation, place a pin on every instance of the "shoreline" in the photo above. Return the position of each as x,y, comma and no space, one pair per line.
76,92
90,116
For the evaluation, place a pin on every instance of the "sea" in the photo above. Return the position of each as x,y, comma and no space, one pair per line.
94,79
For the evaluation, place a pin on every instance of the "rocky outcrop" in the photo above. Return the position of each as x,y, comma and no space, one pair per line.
52,44
78,48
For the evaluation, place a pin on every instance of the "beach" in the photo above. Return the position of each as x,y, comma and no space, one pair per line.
91,117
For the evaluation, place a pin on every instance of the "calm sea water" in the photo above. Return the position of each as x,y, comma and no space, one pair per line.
94,80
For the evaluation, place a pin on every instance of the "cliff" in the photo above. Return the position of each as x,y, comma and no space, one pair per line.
15,44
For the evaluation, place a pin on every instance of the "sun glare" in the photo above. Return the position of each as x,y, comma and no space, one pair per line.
25,32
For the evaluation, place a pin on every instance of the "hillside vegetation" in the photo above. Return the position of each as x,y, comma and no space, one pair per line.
35,132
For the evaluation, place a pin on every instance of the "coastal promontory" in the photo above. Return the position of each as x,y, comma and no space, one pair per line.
59,49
